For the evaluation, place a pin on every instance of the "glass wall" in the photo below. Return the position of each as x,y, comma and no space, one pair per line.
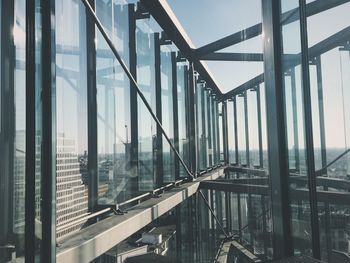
116,172
294,110
182,106
167,112
329,69
147,130
12,129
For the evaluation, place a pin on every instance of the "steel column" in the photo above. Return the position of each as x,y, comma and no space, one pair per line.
158,89
277,141
323,150
133,100
48,150
258,107
30,147
310,160
7,122
295,119
175,112
92,111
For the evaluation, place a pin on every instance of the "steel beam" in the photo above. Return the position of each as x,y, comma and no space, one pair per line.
94,240
254,31
230,40
163,14
323,46
226,56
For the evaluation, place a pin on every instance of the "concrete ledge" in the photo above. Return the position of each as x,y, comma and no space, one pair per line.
98,238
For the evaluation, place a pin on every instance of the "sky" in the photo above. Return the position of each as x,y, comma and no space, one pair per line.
207,20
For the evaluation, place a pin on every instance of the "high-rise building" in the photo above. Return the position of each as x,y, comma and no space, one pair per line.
71,192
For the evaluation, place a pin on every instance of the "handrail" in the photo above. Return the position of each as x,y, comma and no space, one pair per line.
319,172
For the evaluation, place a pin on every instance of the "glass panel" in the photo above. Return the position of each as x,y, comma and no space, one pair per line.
167,113
147,129
220,132
253,129
115,172
38,135
330,82
182,114
216,138
293,90
12,129
210,129
71,118
201,139
241,131
263,125
231,132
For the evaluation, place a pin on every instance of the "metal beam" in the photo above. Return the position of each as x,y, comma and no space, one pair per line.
323,46
226,56
230,40
97,239
163,14
254,31
235,188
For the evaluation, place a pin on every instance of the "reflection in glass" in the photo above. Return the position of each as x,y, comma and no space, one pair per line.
167,112
147,129
115,172
182,104
71,118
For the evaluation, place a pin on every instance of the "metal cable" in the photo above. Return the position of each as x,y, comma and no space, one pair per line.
136,86
212,212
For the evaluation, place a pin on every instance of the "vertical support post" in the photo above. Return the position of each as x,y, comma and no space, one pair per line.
203,139
192,119
133,100
237,162
323,150
295,120
277,141
92,110
246,123
175,113
258,107
48,150
209,135
251,218
310,160
30,134
224,132
235,128
7,121
187,117
159,141
321,110
263,208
